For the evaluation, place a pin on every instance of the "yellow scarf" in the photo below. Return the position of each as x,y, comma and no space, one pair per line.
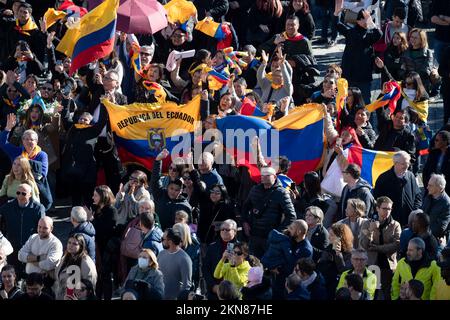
82,125
33,154
274,86
30,25
421,107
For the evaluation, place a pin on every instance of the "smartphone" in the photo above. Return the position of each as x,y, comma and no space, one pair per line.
58,62
339,141
230,247
293,186
69,292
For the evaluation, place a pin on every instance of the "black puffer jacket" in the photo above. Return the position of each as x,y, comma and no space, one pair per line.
267,209
261,291
166,207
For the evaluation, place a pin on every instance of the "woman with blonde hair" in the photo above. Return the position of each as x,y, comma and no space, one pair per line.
355,212
145,279
191,246
20,173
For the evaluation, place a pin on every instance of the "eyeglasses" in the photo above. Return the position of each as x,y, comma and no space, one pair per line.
21,193
225,229
215,192
238,253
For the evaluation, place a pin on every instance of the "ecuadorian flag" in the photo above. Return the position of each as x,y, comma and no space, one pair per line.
298,136
94,38
372,163
391,95
142,130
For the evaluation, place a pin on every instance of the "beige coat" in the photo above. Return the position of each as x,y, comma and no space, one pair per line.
88,271
391,239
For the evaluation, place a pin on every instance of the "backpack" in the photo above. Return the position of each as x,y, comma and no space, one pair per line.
131,244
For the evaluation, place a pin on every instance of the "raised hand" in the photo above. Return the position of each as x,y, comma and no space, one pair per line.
264,57
162,155
10,121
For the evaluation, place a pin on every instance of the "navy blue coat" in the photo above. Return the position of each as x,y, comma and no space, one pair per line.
153,241
88,231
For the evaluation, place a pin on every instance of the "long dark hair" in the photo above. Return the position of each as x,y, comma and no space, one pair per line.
69,259
312,183
358,100
106,195
27,120
305,9
418,85
224,193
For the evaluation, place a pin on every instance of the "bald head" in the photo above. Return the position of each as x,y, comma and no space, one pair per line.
45,227
23,194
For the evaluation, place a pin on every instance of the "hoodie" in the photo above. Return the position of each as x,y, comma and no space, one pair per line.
88,231
362,191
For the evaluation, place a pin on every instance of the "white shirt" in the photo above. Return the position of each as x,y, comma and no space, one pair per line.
50,250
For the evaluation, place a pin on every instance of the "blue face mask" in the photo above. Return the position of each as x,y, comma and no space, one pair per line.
106,62
143,263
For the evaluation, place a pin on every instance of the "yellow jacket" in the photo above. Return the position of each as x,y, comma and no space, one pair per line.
429,275
237,275
370,281
442,291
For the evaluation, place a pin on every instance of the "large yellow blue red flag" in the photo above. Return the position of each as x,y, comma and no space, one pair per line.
299,137
94,38
142,130
392,92
372,163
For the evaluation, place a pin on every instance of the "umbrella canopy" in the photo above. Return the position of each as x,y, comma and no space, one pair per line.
141,17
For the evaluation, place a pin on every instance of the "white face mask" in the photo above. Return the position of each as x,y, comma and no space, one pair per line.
143,263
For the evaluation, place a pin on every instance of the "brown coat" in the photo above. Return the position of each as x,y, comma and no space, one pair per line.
391,239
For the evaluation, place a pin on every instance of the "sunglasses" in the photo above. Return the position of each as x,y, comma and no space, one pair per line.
225,229
238,253
21,193
186,178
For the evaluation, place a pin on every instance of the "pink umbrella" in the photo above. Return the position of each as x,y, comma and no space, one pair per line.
141,16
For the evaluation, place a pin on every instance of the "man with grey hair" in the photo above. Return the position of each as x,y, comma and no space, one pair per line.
437,205
208,174
214,252
29,146
82,225
400,185
417,265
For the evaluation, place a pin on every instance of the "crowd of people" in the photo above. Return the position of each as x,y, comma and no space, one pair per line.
207,230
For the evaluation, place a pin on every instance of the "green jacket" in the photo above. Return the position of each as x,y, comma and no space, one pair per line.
370,281
429,274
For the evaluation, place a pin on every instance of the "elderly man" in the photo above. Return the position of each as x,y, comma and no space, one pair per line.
30,147
417,266
381,239
268,206
19,219
359,267
42,251
437,205
214,252
208,174
401,187
80,223
105,150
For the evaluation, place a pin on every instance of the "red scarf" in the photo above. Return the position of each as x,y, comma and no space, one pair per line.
295,38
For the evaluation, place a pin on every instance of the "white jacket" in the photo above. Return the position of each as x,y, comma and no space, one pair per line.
5,250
